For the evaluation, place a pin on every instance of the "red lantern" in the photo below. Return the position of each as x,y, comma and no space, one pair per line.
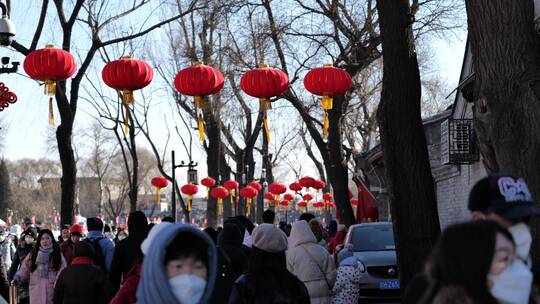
248,193
330,206
264,82
159,182
127,75
6,97
189,190
319,184
327,196
220,193
327,81
269,196
288,197
307,181
231,185
295,187
256,185
277,189
199,80
285,204
50,65
208,182
308,197
302,204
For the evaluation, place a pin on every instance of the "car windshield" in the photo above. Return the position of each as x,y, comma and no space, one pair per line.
373,238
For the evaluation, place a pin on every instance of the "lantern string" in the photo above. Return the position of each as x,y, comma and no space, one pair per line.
200,127
51,113
325,124
266,127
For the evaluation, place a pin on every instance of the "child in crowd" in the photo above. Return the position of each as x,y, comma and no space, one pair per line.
347,286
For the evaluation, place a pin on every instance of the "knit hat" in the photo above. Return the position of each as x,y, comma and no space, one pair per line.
269,238
506,195
83,249
145,246
94,224
346,252
77,228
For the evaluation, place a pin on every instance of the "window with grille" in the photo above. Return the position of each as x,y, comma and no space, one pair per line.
458,142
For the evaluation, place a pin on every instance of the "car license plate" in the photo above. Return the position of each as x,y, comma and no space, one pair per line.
389,284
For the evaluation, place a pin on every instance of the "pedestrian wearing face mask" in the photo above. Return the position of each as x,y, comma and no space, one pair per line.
180,267
75,235
26,244
476,262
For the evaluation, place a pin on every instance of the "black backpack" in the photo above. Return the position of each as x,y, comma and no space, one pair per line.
99,258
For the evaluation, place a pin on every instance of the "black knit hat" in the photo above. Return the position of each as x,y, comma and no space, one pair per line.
83,249
504,194
94,224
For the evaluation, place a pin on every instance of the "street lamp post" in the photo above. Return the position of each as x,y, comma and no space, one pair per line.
191,165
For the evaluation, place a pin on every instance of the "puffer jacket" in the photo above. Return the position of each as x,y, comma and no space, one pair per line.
347,287
7,251
311,263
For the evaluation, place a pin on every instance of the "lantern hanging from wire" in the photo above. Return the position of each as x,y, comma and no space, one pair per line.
327,81
127,75
50,65
264,83
208,182
288,197
285,204
302,204
277,189
319,205
199,80
248,193
159,182
232,186
296,187
306,182
189,190
327,196
330,206
318,184
308,197
256,185
219,193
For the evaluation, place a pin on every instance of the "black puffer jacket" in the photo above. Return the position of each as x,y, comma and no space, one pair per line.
81,284
232,261
244,291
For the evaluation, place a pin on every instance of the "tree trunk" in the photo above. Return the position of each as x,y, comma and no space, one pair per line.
213,163
225,172
134,185
5,190
336,168
506,64
267,161
410,183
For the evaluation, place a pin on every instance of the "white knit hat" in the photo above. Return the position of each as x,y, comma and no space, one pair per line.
145,246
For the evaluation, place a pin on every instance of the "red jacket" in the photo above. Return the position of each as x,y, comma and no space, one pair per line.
338,239
128,292
67,250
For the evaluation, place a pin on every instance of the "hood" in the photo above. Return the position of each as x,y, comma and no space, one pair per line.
154,285
377,258
300,234
230,235
137,225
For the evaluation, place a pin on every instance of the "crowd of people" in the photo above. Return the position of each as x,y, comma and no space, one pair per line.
486,260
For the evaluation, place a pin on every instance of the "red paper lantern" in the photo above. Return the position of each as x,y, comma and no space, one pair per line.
50,65
189,190
295,187
277,189
264,82
318,204
327,196
330,206
285,204
248,193
159,182
199,80
127,75
288,197
302,204
306,181
6,97
269,196
327,81
231,185
256,185
308,197
208,182
220,193
319,184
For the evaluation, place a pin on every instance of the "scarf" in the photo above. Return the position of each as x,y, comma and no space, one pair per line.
82,260
43,261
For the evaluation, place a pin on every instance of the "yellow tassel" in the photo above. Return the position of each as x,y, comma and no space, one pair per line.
248,206
51,113
199,102
231,199
190,198
264,104
50,87
327,102
158,197
266,128
127,96
325,124
220,205
200,124
126,119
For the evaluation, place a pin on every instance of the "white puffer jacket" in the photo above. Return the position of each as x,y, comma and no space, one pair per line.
311,263
7,251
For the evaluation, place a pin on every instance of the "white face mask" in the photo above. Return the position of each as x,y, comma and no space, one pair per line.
523,238
28,241
187,288
513,285
121,237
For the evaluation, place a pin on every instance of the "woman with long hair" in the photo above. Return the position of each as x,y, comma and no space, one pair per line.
267,279
475,262
41,267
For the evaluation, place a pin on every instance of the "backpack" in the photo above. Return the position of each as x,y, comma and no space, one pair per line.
99,258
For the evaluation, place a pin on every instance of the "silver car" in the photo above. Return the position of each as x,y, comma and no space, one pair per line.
375,248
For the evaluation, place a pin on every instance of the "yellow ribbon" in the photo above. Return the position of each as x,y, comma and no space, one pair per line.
200,124
326,123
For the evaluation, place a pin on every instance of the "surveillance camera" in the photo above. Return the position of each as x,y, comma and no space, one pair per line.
7,31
